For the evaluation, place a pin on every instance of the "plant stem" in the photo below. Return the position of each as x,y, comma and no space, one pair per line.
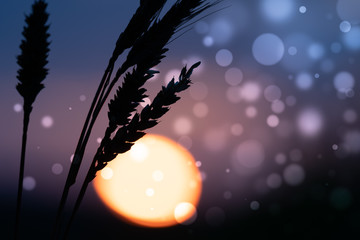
27,111
106,83
88,178
93,113
78,155
80,197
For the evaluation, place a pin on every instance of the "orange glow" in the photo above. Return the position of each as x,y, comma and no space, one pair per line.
155,184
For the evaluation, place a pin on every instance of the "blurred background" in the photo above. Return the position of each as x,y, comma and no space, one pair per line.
271,119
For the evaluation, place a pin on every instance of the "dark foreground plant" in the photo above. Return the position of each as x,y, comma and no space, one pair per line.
140,21
146,35
32,61
127,132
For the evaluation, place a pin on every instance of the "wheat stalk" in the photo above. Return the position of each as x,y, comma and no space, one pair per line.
32,61
139,23
129,131
147,49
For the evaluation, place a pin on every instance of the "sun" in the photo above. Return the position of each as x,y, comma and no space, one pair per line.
155,184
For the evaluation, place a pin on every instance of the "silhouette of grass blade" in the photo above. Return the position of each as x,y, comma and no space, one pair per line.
32,62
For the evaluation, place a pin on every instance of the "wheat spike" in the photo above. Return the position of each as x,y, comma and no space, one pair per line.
34,53
129,133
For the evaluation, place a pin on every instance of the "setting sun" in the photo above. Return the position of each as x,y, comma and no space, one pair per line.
155,184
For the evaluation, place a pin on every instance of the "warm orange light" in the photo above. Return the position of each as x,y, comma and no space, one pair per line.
155,184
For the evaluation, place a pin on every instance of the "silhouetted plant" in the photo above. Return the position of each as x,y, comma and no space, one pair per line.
127,132
140,21
147,36
32,62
